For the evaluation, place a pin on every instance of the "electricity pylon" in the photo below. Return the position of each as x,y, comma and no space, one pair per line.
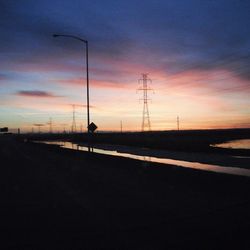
73,128
146,125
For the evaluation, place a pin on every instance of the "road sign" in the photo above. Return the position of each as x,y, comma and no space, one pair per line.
92,127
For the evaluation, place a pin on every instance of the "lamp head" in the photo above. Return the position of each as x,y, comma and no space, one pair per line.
55,35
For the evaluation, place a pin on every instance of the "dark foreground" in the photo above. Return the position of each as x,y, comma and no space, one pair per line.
55,198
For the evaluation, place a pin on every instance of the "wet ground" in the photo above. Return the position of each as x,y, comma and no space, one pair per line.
54,198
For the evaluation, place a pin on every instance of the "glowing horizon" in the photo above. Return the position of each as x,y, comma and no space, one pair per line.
200,76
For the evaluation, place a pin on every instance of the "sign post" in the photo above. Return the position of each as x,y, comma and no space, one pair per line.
91,128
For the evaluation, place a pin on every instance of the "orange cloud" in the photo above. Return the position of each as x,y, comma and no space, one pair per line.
93,83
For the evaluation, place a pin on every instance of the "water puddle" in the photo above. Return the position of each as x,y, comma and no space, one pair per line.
235,144
181,163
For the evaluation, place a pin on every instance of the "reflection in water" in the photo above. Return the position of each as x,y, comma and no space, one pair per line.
241,157
235,144
147,159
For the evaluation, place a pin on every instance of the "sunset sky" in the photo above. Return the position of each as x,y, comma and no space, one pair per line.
197,53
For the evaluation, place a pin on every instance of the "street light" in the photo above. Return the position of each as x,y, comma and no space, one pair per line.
87,69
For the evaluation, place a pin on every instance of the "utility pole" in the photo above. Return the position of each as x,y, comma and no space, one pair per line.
39,125
50,125
145,113
73,129
178,123
121,126
87,74
39,128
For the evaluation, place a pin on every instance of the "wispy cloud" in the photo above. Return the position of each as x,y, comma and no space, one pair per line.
197,54
36,93
94,83
3,77
76,105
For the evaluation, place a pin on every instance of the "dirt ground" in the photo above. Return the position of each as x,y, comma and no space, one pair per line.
53,198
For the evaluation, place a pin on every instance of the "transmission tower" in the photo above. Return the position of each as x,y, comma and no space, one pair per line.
146,125
73,128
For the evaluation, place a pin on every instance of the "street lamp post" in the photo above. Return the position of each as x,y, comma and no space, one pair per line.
87,69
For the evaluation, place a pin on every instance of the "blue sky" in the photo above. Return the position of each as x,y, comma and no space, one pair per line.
196,52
